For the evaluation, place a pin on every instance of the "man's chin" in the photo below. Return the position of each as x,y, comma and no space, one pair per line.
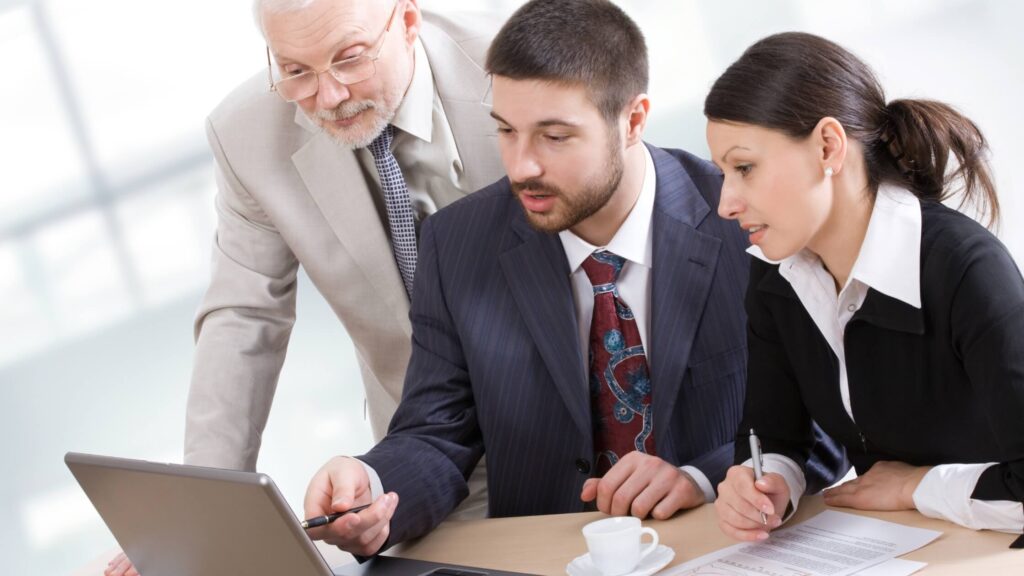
548,223
352,137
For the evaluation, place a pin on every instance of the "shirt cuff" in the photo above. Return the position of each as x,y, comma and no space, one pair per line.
376,488
790,471
945,493
702,482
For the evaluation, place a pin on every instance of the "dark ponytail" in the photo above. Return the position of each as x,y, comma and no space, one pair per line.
790,81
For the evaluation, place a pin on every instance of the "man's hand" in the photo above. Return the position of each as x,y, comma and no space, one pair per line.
120,566
640,484
339,485
886,486
741,501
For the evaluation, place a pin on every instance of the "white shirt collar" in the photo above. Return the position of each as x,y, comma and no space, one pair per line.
890,257
415,114
633,240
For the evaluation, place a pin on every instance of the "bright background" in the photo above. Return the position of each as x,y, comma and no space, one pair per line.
106,215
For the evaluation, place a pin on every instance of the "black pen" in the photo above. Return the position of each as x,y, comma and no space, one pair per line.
322,520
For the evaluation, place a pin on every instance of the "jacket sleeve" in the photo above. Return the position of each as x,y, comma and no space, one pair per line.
434,440
987,316
242,329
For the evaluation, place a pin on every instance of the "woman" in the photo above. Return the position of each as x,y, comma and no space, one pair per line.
893,321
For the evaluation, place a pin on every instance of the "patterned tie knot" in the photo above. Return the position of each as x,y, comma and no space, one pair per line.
603,268
381,145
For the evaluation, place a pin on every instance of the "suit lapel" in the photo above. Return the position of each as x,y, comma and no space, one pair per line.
463,86
538,276
334,179
684,266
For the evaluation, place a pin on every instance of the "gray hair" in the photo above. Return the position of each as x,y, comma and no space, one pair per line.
259,7
275,7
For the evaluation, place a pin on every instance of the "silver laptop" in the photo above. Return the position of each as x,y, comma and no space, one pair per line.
177,520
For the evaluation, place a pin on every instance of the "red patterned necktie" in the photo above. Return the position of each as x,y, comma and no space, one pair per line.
620,382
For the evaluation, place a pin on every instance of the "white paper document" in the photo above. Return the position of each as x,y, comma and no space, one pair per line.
829,544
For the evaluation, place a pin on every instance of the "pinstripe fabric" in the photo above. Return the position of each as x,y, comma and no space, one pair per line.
496,364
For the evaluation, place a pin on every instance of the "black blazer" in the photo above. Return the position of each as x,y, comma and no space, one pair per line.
939,385
496,363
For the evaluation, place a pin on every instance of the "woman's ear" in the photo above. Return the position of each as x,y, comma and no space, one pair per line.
829,138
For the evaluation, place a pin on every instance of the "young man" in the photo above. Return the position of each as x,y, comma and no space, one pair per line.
580,321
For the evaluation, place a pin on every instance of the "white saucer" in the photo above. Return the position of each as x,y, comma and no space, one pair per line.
656,560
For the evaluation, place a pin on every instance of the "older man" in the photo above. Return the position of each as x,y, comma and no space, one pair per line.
369,117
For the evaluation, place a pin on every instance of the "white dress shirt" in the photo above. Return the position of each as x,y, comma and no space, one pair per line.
634,241
890,263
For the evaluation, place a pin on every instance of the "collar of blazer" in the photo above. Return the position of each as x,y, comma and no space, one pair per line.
878,309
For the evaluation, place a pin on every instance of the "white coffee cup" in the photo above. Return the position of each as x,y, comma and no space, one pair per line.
614,544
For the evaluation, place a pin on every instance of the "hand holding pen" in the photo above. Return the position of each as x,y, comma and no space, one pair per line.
333,493
323,520
750,500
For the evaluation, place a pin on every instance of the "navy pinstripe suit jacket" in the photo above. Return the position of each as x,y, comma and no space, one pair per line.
496,363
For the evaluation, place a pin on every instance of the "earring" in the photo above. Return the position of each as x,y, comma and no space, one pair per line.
829,172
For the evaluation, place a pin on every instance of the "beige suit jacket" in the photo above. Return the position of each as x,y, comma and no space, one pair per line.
289,196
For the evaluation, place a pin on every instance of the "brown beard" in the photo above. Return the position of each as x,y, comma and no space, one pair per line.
581,205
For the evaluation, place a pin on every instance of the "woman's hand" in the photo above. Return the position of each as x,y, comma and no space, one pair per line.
886,486
741,501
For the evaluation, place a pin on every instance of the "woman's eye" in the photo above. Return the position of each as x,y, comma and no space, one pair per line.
743,169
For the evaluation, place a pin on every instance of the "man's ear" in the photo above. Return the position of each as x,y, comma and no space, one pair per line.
635,115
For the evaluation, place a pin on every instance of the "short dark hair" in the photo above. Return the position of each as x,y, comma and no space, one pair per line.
790,81
592,43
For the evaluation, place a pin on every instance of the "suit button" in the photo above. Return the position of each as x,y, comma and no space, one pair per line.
583,465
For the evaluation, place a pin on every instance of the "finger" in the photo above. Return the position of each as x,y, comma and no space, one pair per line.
611,482
120,568
772,488
117,559
682,495
349,481
743,535
589,491
642,477
132,572
351,527
317,501
739,518
747,499
845,496
376,524
656,489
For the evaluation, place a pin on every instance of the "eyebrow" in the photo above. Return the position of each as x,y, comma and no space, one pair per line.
340,46
729,151
541,124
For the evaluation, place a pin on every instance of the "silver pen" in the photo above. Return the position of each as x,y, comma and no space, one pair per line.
756,457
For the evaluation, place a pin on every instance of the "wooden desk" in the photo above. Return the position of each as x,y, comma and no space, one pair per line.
545,544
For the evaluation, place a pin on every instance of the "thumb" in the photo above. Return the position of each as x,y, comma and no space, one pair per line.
589,492
349,482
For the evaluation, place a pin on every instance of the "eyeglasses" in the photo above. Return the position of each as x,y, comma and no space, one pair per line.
347,71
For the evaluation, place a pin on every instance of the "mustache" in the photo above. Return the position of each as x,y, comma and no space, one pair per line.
345,110
535,186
